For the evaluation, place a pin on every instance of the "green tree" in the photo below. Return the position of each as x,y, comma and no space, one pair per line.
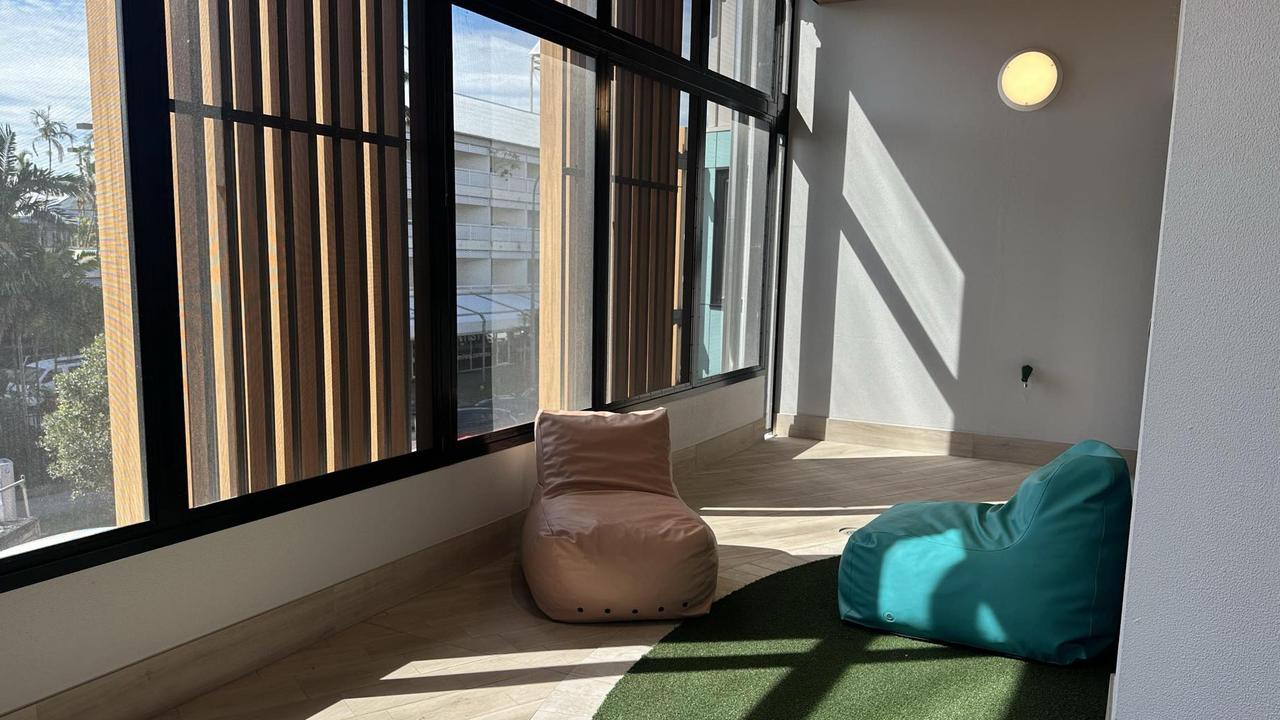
25,192
51,132
45,304
77,435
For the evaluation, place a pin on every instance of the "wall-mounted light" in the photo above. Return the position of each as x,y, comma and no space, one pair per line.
1029,80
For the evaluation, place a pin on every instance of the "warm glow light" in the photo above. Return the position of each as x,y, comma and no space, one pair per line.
1029,80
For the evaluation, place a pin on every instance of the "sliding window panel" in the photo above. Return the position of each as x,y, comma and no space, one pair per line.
524,155
665,23
71,460
732,229
740,41
293,235
649,144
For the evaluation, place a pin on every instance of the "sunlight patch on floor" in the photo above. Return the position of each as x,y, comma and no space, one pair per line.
833,510
490,662
827,450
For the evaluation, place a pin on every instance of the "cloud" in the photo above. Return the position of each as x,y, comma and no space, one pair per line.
491,61
43,63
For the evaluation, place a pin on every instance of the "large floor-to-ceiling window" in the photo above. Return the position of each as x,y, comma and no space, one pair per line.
649,144
238,274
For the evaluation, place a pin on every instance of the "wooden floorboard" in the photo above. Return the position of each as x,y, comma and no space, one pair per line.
478,647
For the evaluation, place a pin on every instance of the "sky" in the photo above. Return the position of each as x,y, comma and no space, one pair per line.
491,61
43,63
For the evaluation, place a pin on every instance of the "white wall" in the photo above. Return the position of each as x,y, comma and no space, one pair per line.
1201,624
62,632
939,240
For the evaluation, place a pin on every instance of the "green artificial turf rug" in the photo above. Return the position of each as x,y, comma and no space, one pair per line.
776,649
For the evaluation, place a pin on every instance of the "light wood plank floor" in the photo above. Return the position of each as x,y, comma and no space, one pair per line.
478,648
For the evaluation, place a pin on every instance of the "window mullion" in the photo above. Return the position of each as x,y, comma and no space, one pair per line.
421,39
150,163
699,32
600,257
692,241
434,62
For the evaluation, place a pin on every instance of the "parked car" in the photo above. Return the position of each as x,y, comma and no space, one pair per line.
35,383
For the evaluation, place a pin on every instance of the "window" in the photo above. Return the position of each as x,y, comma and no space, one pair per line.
740,43
524,149
279,298
650,147
292,227
70,428
732,201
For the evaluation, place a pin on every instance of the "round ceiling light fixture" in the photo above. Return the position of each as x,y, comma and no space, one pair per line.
1029,80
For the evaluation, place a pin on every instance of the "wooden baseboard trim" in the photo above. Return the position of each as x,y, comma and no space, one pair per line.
929,440
165,680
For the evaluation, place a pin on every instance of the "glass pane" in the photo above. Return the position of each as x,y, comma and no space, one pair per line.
70,438
650,136
586,6
665,23
294,246
732,201
524,141
741,41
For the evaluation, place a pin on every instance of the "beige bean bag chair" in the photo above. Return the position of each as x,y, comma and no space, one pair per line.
607,537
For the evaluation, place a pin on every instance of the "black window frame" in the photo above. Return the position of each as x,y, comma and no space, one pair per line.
143,52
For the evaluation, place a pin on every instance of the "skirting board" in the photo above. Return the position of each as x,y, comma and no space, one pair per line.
928,440
163,681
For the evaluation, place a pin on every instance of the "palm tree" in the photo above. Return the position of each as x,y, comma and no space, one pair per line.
51,132
25,189
31,275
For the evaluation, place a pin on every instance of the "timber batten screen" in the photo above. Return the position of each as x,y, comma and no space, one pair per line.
288,125
115,253
567,198
650,131
647,237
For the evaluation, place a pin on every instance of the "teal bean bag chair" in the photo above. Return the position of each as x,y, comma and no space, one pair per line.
1039,577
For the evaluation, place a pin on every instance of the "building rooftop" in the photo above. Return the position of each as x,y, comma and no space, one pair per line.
488,119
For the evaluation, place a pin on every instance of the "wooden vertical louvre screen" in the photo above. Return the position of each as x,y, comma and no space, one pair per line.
288,131
114,256
566,157
647,236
